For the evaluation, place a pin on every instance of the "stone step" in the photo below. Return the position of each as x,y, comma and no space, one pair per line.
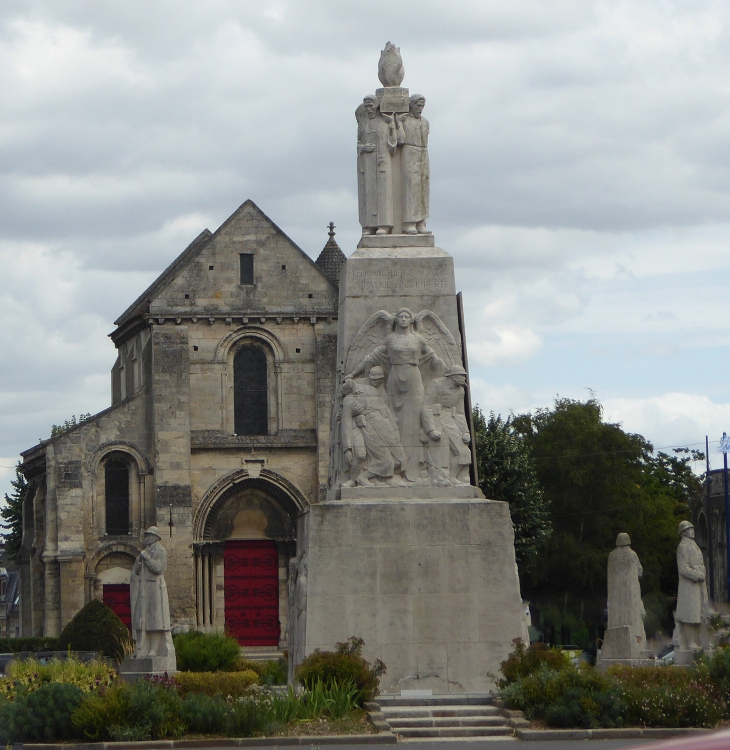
398,723
261,654
412,732
456,699
434,711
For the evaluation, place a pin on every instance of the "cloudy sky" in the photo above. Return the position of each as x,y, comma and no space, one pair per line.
580,156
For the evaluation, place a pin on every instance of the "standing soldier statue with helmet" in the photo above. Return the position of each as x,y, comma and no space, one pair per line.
692,600
151,627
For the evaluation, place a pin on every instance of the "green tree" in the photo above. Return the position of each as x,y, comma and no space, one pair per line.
507,472
598,481
12,515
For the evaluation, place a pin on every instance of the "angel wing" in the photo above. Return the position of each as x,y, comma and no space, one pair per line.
439,337
372,333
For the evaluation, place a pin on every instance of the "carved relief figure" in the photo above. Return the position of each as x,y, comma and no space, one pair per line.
692,600
445,429
370,438
150,607
416,175
410,349
377,140
352,440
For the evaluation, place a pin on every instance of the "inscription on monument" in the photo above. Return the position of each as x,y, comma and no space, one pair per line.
399,279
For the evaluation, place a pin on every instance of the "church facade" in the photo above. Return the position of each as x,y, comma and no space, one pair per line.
218,434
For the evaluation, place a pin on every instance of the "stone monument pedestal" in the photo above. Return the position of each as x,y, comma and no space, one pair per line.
132,669
621,647
430,585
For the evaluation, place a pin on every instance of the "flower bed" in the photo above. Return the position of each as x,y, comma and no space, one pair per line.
561,695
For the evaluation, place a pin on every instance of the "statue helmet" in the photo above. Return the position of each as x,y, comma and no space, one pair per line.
455,370
623,540
683,526
376,373
153,531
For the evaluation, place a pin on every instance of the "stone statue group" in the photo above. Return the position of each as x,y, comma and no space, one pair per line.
392,155
402,419
625,637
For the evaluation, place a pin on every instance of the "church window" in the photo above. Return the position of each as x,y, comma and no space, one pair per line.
246,268
250,403
116,486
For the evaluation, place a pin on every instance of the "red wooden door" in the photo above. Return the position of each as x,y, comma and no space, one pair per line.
252,592
116,597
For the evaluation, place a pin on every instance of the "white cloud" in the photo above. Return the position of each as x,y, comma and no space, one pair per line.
672,419
580,158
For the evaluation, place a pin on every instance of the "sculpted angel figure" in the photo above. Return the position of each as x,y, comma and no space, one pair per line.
409,349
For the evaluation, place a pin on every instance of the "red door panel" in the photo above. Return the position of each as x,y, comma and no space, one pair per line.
116,597
252,592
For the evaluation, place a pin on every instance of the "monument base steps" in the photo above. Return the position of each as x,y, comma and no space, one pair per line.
262,653
469,715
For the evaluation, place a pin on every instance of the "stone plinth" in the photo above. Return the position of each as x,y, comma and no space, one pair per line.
431,587
440,494
132,669
397,240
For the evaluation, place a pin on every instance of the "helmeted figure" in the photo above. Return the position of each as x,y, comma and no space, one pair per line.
415,170
409,349
692,600
445,429
370,437
377,140
625,637
151,628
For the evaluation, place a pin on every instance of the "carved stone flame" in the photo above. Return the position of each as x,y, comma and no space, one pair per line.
390,67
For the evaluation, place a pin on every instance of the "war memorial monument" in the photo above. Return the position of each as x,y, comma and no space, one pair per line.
405,551
298,432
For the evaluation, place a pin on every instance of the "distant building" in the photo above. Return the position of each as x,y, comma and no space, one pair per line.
218,434
709,521
9,596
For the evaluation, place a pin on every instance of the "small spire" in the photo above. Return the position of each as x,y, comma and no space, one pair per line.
331,259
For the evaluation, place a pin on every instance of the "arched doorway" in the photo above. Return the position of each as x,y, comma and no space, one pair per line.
246,529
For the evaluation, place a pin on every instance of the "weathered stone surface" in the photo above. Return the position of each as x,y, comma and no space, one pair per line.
151,626
421,596
172,422
625,638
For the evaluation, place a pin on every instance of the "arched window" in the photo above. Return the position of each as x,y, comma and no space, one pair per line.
250,403
116,491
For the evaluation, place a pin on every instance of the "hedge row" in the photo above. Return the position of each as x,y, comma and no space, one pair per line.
16,645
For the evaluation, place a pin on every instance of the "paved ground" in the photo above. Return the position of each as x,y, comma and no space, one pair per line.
487,744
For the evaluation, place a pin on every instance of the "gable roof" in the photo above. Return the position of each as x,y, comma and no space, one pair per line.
142,304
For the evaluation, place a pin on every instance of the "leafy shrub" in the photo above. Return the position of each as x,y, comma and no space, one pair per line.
41,716
96,628
692,705
144,709
578,707
717,667
234,684
625,696
206,714
16,645
244,665
537,692
344,666
274,672
205,652
250,715
29,675
525,660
